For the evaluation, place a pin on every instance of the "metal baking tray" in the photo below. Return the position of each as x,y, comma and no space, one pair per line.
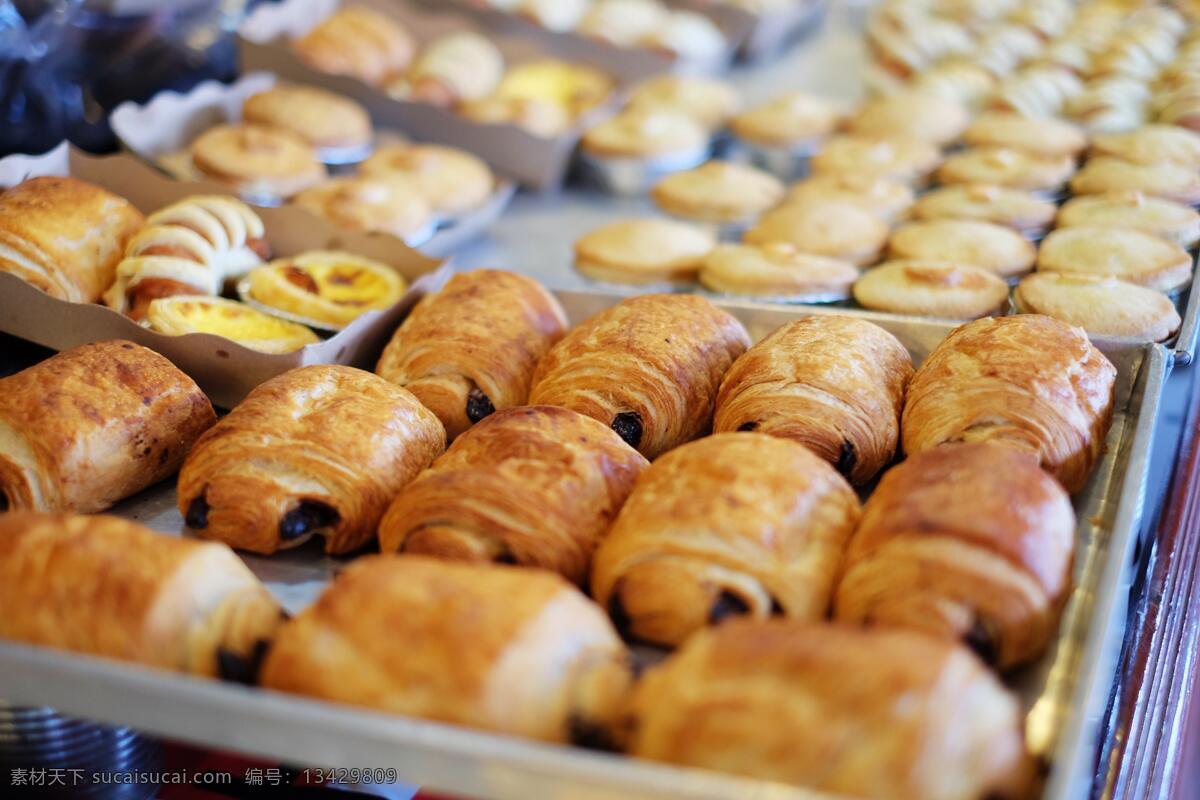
1064,694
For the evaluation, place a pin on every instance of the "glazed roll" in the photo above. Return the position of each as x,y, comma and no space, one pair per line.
965,541
317,451
510,650
64,236
93,425
648,367
834,384
892,715
732,524
537,486
471,349
1027,381
109,587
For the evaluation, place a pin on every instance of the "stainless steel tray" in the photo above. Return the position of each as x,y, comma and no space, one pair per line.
1064,694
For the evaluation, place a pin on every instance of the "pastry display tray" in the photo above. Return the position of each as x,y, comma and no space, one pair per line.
1064,695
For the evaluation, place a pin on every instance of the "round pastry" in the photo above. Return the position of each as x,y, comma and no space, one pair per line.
359,42
239,322
932,289
710,102
1169,181
968,542
1151,144
962,241
643,250
907,160
835,229
386,203
454,68
576,88
884,197
1025,381
687,36
257,160
718,192
323,119
452,180
1045,136
328,287
1163,218
911,115
776,270
1012,208
622,22
646,133
1005,166
794,120
1125,254
960,81
1099,304
539,117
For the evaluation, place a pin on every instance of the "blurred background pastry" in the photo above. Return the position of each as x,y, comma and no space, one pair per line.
623,23
886,197
1163,218
1020,210
1119,253
359,42
962,241
257,161
777,271
327,121
718,192
708,101
1166,180
834,229
381,203
1007,167
687,36
453,181
910,115
1041,136
795,121
455,68
906,160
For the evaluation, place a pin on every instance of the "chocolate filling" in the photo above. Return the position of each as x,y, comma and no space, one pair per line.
239,668
583,732
727,604
305,518
776,608
197,514
748,426
620,617
505,558
628,425
980,639
478,405
847,459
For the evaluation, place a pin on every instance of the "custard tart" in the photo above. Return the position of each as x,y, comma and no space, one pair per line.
182,314
324,288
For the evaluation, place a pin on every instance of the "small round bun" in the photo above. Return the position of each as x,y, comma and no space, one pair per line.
643,251
932,289
993,247
776,270
1099,304
1166,219
1129,255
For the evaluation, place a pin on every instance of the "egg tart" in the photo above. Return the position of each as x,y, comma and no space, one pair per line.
239,322
326,288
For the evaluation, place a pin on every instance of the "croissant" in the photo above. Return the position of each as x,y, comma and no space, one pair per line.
1027,381
471,349
64,236
189,247
536,486
834,384
648,367
110,587
732,524
968,541
95,424
892,715
510,650
317,451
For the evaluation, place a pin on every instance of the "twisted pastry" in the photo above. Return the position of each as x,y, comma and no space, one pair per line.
966,541
536,486
189,247
1027,381
834,384
732,524
649,367
110,587
510,650
318,450
471,349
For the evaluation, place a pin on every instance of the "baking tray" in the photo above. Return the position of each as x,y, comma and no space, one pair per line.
1064,694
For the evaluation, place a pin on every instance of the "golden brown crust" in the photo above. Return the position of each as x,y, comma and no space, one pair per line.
834,229
1099,304
110,587
965,541
885,714
1028,381
788,120
1129,255
359,42
64,236
732,524
913,115
885,197
257,159
323,119
536,486
472,347
932,289
964,241
648,367
504,649
834,384
318,450
645,133
93,425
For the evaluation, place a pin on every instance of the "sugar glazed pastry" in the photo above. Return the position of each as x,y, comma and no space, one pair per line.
93,425
256,160
833,229
238,322
993,247
471,349
326,287
64,236
190,247
110,587
358,42
932,289
453,69
893,715
383,203
969,541
327,121
1028,381
718,192
509,650
648,367
452,180
776,270
835,384
537,486
1130,255
1165,219
729,525
643,250
317,451
1099,304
